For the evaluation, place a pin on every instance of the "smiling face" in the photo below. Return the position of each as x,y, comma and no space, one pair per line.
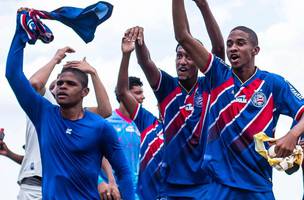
185,67
241,50
69,91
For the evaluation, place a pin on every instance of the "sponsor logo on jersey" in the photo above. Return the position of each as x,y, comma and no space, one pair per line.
68,131
259,99
188,107
241,99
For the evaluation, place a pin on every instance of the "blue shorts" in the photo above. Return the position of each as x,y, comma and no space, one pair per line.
222,192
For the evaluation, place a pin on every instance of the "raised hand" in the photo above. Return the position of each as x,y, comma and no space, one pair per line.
82,65
4,149
61,54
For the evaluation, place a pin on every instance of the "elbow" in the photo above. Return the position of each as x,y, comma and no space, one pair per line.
36,84
107,112
182,37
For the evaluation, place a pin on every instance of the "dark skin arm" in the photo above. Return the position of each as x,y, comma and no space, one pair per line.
214,32
104,107
194,48
122,88
5,151
143,56
285,145
39,79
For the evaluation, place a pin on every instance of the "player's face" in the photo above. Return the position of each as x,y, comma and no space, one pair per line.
185,66
138,93
240,51
69,92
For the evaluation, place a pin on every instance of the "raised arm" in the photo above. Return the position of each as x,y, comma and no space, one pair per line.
122,88
182,34
5,151
214,32
143,56
40,78
104,107
30,101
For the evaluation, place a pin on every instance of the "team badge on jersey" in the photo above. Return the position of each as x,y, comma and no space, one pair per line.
198,100
259,99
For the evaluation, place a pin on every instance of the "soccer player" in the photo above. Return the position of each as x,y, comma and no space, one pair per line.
151,129
177,98
127,132
30,174
245,100
72,140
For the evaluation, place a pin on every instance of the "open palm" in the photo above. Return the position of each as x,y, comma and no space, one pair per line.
127,45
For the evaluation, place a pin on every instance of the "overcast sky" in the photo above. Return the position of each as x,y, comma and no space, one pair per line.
278,23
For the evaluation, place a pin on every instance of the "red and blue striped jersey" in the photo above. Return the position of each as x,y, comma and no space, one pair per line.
185,143
237,112
151,152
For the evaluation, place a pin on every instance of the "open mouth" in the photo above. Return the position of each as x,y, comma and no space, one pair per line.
234,57
182,69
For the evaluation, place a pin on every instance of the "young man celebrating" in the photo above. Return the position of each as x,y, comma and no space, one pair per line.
177,97
72,140
244,101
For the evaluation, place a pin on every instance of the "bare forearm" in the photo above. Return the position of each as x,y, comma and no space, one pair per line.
104,107
298,129
147,65
215,35
40,78
106,167
15,157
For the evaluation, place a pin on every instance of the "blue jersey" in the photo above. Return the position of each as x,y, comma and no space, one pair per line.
151,152
185,134
129,137
237,112
71,151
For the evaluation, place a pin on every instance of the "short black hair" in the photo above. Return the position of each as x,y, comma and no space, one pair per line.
133,81
252,35
81,76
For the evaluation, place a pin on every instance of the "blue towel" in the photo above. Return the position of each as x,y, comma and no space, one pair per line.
83,21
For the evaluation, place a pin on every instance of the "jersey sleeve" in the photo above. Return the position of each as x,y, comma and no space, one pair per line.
166,85
287,99
216,72
143,118
30,101
115,155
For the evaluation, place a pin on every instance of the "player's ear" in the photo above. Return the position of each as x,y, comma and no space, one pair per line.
255,50
85,91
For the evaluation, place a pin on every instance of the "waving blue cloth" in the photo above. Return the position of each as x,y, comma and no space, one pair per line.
83,21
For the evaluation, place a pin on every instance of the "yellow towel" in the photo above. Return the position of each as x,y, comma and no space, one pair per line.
280,164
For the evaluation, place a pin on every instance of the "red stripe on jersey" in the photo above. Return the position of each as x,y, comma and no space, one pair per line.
163,105
220,89
148,130
197,132
208,64
153,148
258,124
232,110
299,113
180,118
